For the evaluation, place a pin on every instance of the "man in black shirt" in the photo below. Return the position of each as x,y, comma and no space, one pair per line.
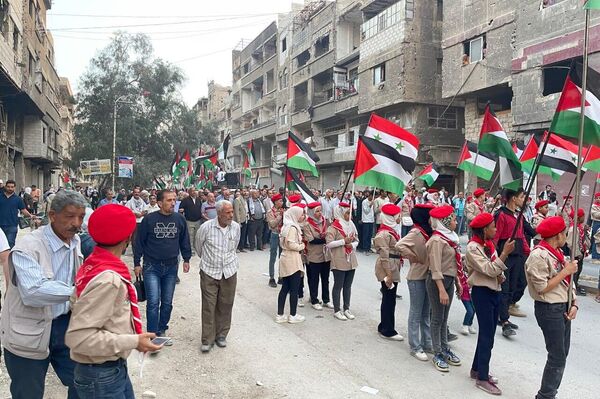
191,207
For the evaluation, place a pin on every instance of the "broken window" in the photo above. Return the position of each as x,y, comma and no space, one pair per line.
283,45
474,50
246,68
439,119
379,74
302,58
554,77
322,46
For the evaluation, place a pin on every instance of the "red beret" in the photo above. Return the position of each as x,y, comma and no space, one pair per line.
344,205
313,205
566,197
110,224
433,190
551,226
299,205
580,213
479,192
441,212
276,197
597,195
391,209
481,220
425,206
469,198
541,203
294,198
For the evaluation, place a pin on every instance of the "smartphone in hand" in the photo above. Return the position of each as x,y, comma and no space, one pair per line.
160,341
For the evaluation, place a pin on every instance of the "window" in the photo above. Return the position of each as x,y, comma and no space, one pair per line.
303,58
379,74
44,134
474,50
410,9
439,13
5,26
385,19
554,77
246,68
283,45
284,79
322,46
439,65
442,120
15,37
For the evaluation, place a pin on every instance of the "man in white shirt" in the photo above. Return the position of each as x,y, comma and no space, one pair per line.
139,209
368,219
327,205
377,204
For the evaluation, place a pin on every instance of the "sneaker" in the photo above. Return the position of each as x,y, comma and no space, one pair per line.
279,281
349,314
396,337
328,305
464,330
420,355
317,306
205,348
581,291
440,364
300,302
169,342
451,358
491,378
272,283
514,311
298,318
512,325
221,342
472,330
340,316
507,331
489,387
281,318
452,337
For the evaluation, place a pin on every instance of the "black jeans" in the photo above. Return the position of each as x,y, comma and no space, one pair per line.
557,334
108,380
342,280
255,232
28,376
578,273
439,312
388,310
314,272
512,287
367,235
487,306
243,235
291,285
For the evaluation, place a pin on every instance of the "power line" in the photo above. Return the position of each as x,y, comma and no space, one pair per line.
160,16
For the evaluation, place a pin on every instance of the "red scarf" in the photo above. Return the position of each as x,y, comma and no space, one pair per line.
393,232
337,225
488,245
581,231
101,261
557,253
480,206
456,248
422,231
321,228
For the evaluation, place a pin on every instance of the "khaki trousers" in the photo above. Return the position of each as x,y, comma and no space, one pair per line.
217,303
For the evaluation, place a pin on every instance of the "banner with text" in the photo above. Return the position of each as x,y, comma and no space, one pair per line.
95,167
126,167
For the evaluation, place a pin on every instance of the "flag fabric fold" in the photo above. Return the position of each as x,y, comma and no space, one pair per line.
301,156
292,179
429,175
224,148
529,156
486,162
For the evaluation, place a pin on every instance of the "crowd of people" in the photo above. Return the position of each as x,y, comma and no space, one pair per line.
65,305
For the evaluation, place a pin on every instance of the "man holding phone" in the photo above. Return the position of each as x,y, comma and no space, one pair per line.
105,322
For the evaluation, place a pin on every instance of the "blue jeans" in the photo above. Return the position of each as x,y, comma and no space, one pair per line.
11,234
595,227
273,244
159,281
28,376
103,381
470,313
419,332
460,224
367,234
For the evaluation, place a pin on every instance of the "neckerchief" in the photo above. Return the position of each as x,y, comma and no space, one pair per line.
102,261
393,232
276,215
336,225
480,206
488,245
557,253
321,228
581,231
456,248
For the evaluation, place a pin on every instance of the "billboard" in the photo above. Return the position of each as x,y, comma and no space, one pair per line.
95,167
126,167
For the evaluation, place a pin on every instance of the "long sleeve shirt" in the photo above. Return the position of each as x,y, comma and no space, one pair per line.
368,215
160,238
216,245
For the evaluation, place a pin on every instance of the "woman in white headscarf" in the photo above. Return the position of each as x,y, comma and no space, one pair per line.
342,240
291,268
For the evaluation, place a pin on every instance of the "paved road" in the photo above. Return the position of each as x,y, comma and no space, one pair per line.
326,358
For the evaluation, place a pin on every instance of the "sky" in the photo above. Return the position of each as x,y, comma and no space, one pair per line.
196,35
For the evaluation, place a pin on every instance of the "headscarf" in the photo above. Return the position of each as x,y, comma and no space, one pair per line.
347,225
441,226
320,224
311,213
291,218
28,190
390,223
420,217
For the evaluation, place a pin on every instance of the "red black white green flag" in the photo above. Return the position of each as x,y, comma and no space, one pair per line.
429,175
486,161
385,156
529,156
295,181
301,156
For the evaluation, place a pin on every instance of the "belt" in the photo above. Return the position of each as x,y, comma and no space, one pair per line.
392,256
111,363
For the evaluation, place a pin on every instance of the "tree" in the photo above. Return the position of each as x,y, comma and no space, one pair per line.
152,119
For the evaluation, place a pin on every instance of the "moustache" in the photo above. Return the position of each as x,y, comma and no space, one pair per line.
74,230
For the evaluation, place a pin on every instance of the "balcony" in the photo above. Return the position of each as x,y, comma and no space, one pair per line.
300,119
344,154
323,111
261,130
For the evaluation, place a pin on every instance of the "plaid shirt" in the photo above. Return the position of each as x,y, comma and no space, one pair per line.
216,247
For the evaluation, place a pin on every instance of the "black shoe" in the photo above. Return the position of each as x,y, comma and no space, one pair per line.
398,296
452,337
581,291
272,283
221,342
508,331
511,325
279,281
177,281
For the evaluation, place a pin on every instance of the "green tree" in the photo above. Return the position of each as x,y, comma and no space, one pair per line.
152,119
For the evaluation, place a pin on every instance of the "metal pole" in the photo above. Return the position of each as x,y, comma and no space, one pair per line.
580,147
589,219
114,151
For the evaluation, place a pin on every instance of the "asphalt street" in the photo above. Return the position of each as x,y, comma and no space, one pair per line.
327,358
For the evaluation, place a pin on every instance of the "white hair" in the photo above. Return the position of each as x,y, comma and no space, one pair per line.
220,204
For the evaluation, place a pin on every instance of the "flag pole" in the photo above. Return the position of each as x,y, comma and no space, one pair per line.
580,142
589,219
348,181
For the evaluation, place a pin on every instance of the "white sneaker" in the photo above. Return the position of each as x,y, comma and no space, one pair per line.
465,330
422,356
472,330
396,337
349,315
300,303
298,318
317,306
340,316
281,318
328,305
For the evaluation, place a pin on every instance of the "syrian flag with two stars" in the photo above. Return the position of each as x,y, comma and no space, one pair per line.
566,121
429,175
301,156
486,161
561,154
529,156
385,156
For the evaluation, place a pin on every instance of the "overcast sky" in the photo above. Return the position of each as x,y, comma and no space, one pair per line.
196,35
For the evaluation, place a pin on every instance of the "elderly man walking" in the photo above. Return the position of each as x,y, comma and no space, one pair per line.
34,320
216,243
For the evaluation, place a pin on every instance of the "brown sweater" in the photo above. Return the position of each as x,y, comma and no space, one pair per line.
482,271
385,245
441,257
412,247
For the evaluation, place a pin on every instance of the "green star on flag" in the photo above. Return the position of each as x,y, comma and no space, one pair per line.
377,137
399,146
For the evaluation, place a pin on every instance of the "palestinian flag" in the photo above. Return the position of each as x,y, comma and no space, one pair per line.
592,159
250,153
174,169
561,154
209,161
292,177
429,175
385,156
160,184
246,168
529,156
289,181
568,112
486,162
185,167
224,148
511,176
592,5
492,137
301,156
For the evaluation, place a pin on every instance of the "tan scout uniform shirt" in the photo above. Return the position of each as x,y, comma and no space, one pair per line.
101,327
315,253
539,269
385,245
482,271
472,210
570,243
412,247
291,259
274,220
441,258
535,222
595,214
339,260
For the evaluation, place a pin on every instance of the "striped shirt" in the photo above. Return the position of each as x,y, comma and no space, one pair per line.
216,247
35,288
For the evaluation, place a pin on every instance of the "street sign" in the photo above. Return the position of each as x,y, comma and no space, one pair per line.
95,167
